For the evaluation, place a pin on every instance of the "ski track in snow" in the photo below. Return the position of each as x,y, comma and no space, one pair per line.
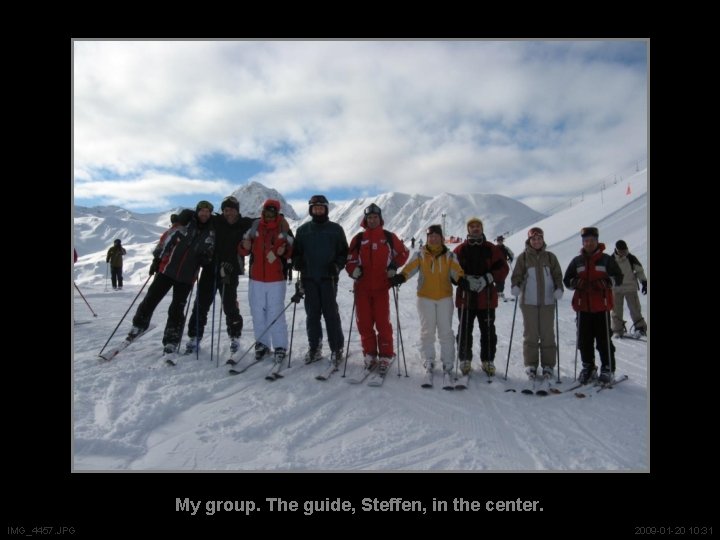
134,412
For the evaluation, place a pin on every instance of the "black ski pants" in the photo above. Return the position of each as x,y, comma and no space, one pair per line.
176,312
321,299
208,284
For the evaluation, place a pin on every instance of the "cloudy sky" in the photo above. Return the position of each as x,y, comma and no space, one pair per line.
159,124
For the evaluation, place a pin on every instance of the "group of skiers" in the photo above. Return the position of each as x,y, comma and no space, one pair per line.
319,251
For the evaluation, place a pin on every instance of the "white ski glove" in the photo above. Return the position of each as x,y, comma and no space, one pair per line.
356,273
515,291
558,294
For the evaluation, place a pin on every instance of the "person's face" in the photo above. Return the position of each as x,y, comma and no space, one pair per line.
590,244
536,241
373,220
434,239
475,229
269,213
203,215
230,214
318,210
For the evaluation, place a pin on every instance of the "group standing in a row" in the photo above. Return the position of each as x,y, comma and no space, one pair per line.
319,251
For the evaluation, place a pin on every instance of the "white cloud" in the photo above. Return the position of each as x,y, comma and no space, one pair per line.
148,191
416,117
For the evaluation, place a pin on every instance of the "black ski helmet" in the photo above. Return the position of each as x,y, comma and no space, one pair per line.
318,200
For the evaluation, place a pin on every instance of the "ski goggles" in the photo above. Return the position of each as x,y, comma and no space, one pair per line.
373,209
536,231
318,199
270,210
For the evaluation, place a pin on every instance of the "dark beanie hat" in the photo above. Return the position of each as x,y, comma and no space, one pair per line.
589,231
230,202
437,229
173,218
620,244
185,216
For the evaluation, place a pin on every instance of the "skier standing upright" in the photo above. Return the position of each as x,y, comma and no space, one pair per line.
483,264
438,268
374,256
537,285
319,251
632,274
592,275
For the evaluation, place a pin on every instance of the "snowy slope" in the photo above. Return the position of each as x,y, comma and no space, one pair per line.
135,413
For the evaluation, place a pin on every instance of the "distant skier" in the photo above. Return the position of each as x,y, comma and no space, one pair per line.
632,273
509,256
115,260
592,275
412,243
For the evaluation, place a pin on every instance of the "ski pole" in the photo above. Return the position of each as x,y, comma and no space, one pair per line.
402,343
577,339
86,302
265,331
609,343
352,317
222,306
461,330
125,315
212,324
292,333
557,339
512,330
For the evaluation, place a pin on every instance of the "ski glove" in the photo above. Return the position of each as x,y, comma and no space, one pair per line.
391,270
464,284
299,292
226,269
155,266
357,273
515,291
397,279
226,272
558,294
644,287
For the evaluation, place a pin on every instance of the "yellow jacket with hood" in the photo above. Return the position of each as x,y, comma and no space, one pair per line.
437,267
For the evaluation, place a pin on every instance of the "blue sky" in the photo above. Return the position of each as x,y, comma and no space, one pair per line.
160,124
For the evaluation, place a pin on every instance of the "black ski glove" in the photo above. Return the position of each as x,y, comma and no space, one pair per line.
397,279
155,266
299,292
644,287
464,284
